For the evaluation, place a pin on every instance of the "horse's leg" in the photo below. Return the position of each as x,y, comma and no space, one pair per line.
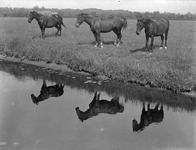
57,27
119,35
162,39
119,38
60,29
152,40
95,35
166,34
148,109
143,108
99,39
43,31
157,106
146,46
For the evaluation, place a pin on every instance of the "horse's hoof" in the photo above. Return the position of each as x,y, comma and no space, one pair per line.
118,44
165,47
161,48
100,46
96,45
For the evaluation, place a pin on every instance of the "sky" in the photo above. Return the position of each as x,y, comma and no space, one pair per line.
173,6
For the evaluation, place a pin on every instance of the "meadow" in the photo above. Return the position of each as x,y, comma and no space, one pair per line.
173,68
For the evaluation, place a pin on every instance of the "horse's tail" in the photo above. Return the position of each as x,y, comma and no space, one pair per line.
125,23
63,24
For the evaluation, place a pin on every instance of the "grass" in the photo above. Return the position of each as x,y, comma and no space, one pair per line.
173,68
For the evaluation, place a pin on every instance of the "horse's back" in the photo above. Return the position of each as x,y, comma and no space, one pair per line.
109,23
47,13
104,25
163,22
110,107
120,21
51,16
161,26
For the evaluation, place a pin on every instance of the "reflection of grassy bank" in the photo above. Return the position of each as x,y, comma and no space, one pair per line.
173,69
131,93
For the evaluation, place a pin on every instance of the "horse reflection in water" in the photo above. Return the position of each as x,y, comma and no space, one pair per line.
47,92
148,117
98,106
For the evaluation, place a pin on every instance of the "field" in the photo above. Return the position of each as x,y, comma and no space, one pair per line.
173,68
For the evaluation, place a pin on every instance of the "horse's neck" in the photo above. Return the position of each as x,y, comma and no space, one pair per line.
38,16
87,114
89,19
147,22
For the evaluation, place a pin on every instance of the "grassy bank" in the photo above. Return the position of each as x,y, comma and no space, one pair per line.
173,68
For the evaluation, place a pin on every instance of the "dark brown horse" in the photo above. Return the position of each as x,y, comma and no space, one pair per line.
99,25
47,92
154,29
98,106
148,117
47,21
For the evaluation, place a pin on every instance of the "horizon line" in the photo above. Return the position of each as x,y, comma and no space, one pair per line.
98,9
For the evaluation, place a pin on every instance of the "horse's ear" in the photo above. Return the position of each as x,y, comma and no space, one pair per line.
140,19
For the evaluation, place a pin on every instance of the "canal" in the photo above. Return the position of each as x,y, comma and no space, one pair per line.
44,109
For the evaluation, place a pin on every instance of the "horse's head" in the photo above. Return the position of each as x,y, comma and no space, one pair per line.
80,20
80,114
34,99
136,126
140,26
31,16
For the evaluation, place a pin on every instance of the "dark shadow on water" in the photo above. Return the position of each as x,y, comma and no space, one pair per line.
98,106
48,91
148,116
130,92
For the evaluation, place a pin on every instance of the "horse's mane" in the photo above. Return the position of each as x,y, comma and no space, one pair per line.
145,20
44,13
86,14
35,12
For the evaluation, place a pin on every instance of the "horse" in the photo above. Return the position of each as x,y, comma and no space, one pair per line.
154,29
99,25
98,106
148,117
47,21
47,92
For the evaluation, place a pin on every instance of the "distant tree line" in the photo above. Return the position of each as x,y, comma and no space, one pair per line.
72,13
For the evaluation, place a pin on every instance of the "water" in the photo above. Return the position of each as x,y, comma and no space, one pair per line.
53,124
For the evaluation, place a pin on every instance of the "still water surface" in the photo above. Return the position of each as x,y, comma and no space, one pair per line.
53,124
